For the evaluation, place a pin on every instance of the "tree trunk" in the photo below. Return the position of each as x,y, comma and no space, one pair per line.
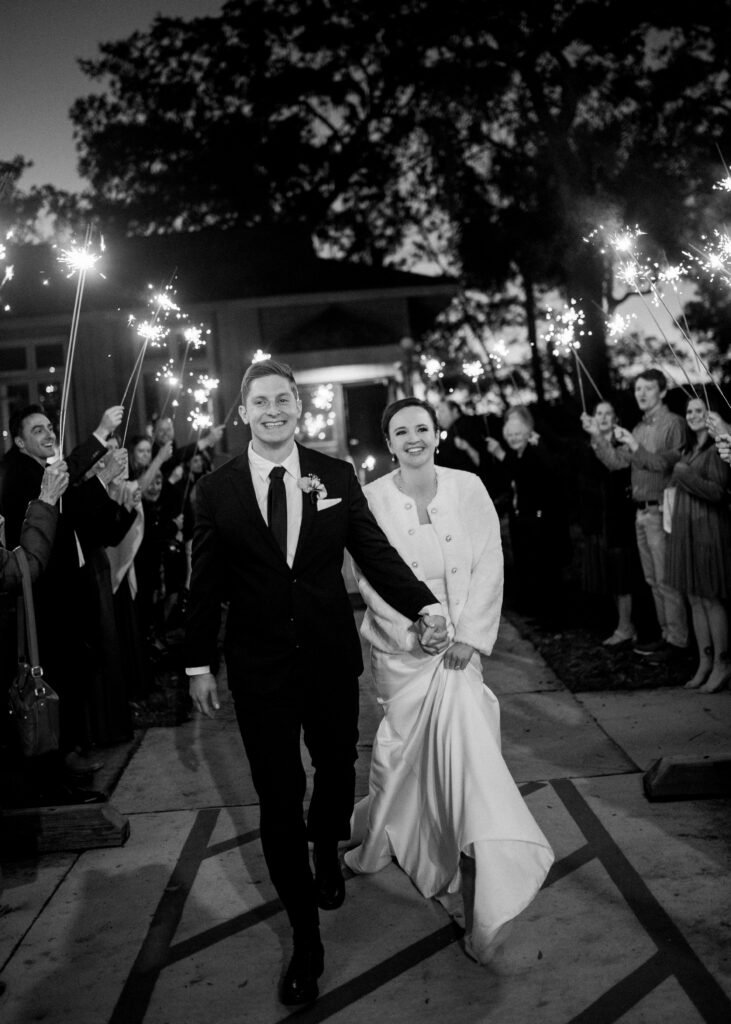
535,355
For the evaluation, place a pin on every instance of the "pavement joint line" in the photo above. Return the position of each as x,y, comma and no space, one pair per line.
627,993
678,958
376,977
136,993
225,930
560,869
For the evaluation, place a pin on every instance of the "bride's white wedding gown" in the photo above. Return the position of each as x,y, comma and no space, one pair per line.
439,785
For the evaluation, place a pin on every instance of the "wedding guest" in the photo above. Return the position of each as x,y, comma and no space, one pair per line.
608,522
38,530
537,516
34,442
142,465
698,547
164,434
103,522
461,440
650,450
439,739
159,532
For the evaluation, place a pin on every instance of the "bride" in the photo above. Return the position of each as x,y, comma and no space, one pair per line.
438,784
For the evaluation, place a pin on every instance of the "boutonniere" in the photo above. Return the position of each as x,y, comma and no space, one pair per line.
313,486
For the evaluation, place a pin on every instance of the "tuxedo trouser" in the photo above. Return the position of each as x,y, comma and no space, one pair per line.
271,725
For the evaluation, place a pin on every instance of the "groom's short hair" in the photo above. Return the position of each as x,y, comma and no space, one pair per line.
267,368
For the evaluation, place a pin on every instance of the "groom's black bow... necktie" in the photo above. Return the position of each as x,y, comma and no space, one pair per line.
277,507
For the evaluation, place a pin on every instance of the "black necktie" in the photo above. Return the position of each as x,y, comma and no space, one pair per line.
277,507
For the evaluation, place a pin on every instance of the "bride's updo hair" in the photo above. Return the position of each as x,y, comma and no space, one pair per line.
405,403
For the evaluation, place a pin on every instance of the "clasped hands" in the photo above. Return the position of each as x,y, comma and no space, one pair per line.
431,631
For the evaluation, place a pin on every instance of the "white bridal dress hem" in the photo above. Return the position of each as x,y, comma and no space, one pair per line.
439,787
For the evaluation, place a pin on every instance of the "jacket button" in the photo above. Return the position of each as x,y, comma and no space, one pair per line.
412,531
414,565
448,537
433,512
407,505
453,570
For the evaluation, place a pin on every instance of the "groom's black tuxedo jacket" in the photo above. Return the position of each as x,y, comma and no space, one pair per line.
282,619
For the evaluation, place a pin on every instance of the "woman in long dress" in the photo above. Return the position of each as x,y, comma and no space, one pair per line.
439,786
697,552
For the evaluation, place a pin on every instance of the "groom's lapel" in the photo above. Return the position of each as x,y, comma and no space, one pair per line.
309,508
244,489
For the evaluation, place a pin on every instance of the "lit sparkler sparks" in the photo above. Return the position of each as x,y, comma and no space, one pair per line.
433,367
260,356
165,303
151,332
724,185
565,328
324,397
473,369
618,325
194,337
200,420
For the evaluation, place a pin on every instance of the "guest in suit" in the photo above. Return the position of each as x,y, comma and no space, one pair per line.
60,594
270,534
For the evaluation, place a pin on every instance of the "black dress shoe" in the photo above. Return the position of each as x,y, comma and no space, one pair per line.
305,967
329,882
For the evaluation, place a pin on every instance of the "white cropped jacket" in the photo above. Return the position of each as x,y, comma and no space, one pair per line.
468,530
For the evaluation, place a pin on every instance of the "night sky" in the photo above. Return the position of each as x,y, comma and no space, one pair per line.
40,41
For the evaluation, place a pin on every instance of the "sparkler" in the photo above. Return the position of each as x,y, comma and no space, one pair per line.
80,260
152,333
564,329
473,369
433,367
643,276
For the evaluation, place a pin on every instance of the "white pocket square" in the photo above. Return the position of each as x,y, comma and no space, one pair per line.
323,503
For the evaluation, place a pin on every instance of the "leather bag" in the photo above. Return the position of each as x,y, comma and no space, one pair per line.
34,706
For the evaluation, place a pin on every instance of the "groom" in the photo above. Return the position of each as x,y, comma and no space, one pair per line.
270,533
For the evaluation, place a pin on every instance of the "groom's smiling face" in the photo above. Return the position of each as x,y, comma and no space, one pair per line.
271,411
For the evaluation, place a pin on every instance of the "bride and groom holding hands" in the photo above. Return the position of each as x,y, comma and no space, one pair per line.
271,529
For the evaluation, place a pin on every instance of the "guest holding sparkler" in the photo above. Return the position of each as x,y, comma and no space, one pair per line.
164,434
697,555
607,517
650,450
60,594
142,465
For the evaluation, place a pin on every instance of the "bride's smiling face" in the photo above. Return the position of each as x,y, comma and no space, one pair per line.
412,438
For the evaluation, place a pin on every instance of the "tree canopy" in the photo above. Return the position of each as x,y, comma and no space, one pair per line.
496,136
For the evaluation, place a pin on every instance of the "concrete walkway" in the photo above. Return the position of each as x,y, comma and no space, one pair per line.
181,924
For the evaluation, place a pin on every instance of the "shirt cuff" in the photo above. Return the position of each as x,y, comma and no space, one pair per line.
432,609
199,670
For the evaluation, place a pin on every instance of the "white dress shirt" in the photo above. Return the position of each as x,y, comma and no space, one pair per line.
260,470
